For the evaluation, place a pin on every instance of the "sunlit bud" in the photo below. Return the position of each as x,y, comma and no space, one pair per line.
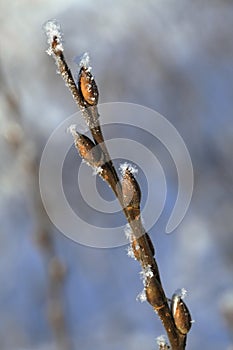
154,292
181,314
131,190
90,152
88,87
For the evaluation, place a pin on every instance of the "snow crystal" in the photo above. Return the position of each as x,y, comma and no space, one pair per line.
85,61
146,273
97,170
72,129
141,296
53,29
181,293
127,166
161,341
130,252
128,231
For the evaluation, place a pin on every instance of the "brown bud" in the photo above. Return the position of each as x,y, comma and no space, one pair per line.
181,314
90,152
88,87
154,293
130,190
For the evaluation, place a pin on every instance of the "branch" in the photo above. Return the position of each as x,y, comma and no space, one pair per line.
176,319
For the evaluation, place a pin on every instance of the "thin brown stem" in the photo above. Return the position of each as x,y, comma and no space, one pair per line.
86,97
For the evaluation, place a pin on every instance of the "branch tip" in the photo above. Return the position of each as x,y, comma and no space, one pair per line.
53,32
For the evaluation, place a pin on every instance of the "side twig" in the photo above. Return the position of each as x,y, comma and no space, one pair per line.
176,319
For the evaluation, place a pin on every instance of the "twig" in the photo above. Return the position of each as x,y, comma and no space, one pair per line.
127,191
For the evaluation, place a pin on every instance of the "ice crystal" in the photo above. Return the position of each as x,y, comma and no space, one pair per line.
162,342
181,293
85,61
127,166
130,252
72,129
53,30
146,273
141,296
97,170
128,232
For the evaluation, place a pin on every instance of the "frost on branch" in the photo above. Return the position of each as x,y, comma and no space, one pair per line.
85,62
128,232
146,274
72,130
130,252
141,296
127,166
162,343
54,36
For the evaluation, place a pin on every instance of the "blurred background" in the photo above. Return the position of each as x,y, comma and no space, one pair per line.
172,56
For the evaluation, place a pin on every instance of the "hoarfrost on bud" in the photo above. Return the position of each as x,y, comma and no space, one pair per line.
52,29
181,293
97,170
127,166
146,273
85,62
162,342
130,252
141,296
128,232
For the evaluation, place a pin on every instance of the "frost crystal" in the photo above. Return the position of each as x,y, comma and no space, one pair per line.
72,130
128,232
53,30
181,293
85,61
146,273
97,170
141,296
162,342
130,252
126,166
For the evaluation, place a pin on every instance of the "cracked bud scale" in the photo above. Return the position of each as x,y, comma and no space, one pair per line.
131,191
181,314
88,87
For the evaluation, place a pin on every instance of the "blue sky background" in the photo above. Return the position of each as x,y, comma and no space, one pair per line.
174,57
